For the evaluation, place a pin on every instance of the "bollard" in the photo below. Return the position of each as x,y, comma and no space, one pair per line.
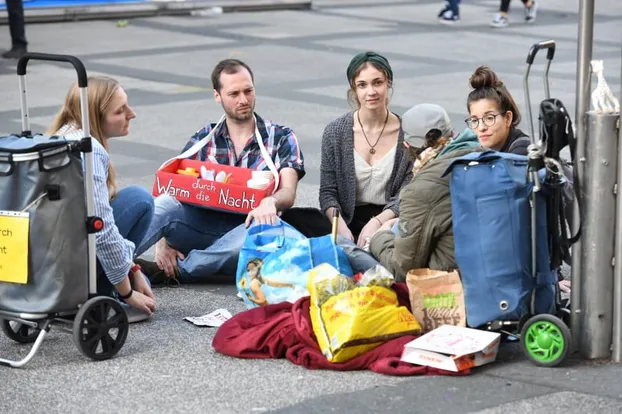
616,348
583,87
597,247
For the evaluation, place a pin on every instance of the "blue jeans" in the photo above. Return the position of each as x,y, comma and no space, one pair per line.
360,260
454,6
132,209
210,240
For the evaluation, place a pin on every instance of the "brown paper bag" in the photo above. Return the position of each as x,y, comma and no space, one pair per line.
436,298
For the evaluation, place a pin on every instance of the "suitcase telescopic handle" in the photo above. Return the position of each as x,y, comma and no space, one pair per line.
82,84
88,154
536,47
77,64
531,56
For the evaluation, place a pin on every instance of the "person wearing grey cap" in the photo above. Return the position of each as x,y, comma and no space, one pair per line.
424,237
427,130
364,162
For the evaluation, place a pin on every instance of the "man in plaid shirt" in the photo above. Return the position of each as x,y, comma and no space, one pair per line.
193,243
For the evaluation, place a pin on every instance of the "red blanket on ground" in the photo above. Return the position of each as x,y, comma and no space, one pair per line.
284,330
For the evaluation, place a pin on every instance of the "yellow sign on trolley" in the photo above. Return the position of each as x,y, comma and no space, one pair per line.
14,228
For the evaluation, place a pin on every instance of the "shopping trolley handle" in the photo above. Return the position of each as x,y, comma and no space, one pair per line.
77,64
545,44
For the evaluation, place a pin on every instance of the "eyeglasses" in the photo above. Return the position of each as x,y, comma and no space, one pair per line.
488,120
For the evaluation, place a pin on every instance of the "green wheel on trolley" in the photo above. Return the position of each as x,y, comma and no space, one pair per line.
545,340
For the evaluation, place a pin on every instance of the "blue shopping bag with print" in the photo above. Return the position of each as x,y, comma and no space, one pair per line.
275,260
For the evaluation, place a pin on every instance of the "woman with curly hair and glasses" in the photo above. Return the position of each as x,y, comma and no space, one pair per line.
494,115
494,118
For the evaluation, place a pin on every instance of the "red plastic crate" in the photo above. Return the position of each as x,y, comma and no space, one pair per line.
232,196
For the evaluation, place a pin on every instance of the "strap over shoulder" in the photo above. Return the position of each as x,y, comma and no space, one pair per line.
264,153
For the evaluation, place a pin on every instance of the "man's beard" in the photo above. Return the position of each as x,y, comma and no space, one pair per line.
239,117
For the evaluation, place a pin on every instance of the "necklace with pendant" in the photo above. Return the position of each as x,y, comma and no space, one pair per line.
372,148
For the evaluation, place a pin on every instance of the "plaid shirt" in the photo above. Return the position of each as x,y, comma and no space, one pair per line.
283,148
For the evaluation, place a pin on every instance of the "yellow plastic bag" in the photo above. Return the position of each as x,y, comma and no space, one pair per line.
349,320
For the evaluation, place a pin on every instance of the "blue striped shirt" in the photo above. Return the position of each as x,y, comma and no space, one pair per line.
114,253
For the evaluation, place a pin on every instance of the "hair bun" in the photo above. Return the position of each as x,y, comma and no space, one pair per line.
484,77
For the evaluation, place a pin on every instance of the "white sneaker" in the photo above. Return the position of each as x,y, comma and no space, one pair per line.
446,8
500,21
449,17
531,12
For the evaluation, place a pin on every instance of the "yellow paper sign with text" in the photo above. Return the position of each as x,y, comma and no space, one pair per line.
14,228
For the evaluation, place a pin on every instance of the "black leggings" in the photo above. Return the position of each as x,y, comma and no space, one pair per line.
313,223
309,221
505,5
15,10
362,215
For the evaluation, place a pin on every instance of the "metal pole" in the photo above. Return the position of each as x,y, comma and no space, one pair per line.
616,349
584,56
599,214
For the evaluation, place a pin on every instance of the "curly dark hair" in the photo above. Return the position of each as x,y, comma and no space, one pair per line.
431,139
487,85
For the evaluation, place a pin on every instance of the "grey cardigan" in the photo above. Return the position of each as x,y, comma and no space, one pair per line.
337,173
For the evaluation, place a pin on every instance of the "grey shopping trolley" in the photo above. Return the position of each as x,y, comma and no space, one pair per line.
48,273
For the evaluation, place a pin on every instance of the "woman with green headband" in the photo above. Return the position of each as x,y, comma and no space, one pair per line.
364,162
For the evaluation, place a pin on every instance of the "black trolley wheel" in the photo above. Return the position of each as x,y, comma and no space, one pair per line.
19,332
100,328
545,340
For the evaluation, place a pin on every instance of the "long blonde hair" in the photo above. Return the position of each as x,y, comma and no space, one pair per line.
100,92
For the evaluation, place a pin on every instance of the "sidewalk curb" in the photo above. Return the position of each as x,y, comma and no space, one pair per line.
152,8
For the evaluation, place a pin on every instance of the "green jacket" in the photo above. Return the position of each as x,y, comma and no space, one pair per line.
425,238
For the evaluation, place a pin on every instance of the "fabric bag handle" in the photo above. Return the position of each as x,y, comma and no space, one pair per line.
266,237
196,147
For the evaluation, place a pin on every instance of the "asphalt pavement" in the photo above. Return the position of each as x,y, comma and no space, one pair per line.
299,59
